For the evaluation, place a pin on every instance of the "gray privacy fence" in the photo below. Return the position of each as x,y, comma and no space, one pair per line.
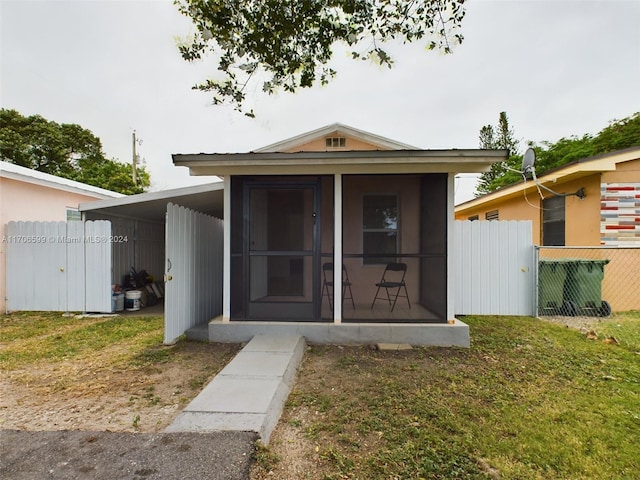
59,266
587,281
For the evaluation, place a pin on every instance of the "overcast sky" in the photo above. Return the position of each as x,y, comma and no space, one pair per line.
558,68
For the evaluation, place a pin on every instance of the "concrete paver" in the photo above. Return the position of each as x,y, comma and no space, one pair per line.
250,392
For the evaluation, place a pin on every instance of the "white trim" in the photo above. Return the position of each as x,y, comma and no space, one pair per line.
451,244
226,267
151,196
27,175
337,248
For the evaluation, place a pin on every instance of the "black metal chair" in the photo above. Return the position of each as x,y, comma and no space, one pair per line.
393,278
327,273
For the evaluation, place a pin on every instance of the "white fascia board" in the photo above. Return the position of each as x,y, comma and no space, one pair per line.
393,161
151,196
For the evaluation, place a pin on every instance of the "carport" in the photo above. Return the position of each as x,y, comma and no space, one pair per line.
167,233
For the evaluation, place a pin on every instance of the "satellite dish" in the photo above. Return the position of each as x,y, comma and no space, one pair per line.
528,160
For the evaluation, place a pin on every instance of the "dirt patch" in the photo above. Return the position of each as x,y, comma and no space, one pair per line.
95,396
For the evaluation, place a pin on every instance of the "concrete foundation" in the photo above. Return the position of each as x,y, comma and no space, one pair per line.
455,334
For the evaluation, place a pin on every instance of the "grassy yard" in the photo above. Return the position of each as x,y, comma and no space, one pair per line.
98,373
528,400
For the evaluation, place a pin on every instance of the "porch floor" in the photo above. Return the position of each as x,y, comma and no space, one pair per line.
453,334
381,312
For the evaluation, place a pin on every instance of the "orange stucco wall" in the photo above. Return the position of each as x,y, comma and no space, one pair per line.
20,201
582,224
582,227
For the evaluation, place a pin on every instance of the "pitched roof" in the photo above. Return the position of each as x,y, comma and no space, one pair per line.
306,154
289,144
27,175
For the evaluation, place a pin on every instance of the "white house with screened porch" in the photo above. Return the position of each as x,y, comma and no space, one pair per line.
339,207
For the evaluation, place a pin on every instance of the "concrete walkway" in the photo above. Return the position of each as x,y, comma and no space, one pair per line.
248,395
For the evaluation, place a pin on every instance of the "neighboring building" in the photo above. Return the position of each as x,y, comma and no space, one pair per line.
29,195
608,214
337,200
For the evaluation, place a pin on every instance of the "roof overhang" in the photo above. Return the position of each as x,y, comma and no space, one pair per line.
152,206
356,162
556,178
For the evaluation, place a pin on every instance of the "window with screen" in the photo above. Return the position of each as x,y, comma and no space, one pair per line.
553,221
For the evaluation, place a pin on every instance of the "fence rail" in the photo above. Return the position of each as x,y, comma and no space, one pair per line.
587,281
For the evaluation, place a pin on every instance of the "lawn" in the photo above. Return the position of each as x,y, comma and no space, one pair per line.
98,373
528,400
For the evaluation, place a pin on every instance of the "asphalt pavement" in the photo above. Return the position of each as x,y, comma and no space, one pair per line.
67,455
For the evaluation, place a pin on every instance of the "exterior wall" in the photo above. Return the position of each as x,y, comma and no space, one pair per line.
582,225
582,215
20,201
30,202
625,172
319,145
620,206
517,208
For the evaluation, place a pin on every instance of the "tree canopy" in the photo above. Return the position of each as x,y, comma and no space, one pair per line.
499,137
64,150
618,135
287,44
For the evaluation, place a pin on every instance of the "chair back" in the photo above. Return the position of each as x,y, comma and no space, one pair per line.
395,267
327,272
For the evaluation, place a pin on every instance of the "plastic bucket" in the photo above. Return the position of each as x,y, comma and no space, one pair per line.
132,300
117,302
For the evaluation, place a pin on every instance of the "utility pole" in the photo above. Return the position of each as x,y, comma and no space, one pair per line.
134,174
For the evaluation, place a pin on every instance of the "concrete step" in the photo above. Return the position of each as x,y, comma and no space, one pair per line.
250,392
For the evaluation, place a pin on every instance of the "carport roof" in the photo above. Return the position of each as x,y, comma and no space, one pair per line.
152,206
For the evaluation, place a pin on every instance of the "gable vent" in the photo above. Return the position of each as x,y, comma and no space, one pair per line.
335,142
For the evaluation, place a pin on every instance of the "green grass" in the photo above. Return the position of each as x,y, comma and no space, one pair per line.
528,400
29,338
